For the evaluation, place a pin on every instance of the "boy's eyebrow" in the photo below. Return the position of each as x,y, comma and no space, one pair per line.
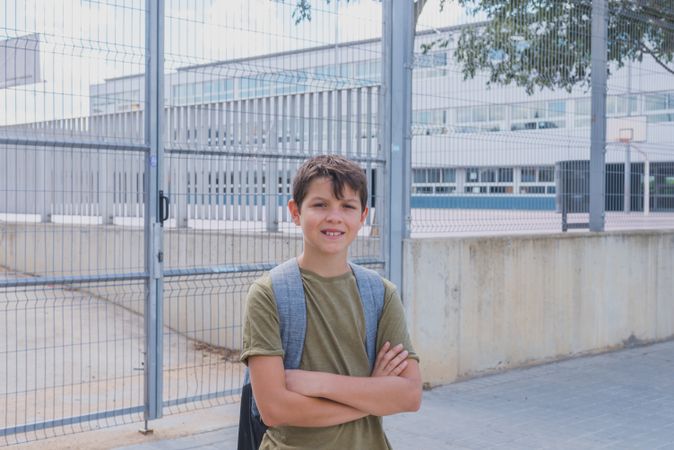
344,199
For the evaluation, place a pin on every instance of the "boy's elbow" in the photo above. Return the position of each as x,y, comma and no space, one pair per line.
273,416
415,403
414,399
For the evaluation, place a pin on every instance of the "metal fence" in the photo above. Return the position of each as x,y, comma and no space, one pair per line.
504,116
146,158
141,195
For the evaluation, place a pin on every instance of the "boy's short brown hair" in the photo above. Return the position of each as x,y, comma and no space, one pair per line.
341,172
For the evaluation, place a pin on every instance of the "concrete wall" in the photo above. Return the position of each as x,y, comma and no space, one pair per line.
477,305
204,308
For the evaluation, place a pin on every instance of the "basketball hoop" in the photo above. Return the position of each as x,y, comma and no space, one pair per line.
626,130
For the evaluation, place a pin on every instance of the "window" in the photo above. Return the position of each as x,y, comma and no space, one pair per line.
444,189
422,189
656,102
472,175
528,174
546,174
448,176
475,189
505,175
488,176
532,190
433,175
538,115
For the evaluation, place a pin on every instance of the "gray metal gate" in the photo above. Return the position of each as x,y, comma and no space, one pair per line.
130,232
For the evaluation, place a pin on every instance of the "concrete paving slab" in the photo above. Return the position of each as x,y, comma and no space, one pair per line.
620,400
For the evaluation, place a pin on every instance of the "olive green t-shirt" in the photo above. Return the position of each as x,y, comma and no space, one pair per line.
334,343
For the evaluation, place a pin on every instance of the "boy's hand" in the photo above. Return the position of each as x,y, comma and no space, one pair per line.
391,361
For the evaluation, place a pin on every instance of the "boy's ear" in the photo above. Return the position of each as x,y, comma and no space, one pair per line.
363,215
294,209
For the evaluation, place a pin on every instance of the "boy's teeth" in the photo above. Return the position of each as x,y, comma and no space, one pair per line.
332,233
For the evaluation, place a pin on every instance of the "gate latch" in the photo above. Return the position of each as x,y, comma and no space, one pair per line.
164,203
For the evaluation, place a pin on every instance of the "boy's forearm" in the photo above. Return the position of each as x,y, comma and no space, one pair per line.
298,410
379,396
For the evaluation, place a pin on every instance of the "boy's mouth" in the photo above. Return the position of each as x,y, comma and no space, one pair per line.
332,233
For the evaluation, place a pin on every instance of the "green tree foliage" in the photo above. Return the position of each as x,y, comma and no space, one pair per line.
547,43
538,44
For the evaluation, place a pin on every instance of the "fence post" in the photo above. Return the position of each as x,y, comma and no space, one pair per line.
599,51
398,47
106,171
154,99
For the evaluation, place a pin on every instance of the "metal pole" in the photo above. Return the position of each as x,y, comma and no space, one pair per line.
627,189
153,121
396,119
647,185
598,134
627,192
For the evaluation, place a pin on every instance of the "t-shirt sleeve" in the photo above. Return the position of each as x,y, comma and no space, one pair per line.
261,330
392,324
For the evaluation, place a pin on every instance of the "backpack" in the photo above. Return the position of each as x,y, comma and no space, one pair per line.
291,305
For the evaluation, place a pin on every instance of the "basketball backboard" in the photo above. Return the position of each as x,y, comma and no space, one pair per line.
626,129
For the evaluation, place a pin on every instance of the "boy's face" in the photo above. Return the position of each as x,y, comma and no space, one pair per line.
329,224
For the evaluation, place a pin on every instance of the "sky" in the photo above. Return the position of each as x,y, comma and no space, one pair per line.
83,42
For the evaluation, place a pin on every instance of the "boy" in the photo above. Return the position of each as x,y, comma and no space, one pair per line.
334,401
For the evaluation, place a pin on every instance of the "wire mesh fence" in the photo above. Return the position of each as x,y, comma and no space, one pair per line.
251,89
502,123
502,116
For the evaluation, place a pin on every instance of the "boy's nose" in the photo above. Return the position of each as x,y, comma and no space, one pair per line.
334,215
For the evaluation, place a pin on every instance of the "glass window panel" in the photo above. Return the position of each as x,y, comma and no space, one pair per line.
419,175
434,175
556,108
472,174
538,109
611,102
546,174
521,112
448,176
497,112
481,113
488,175
583,107
655,102
528,174
505,175
440,59
532,190
464,115
423,189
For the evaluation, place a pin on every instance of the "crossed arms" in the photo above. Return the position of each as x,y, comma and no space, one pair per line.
319,399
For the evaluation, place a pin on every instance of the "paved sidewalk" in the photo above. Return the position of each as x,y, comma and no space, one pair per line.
619,400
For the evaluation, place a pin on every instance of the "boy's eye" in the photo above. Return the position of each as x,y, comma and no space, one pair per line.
350,206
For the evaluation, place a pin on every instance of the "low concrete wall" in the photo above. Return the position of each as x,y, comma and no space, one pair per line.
477,305
205,308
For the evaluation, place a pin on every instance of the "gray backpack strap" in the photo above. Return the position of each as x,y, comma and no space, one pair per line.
288,288
371,289
286,281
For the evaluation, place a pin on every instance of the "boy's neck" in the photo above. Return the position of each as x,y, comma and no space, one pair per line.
325,266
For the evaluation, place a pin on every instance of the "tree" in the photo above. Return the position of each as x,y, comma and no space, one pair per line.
547,43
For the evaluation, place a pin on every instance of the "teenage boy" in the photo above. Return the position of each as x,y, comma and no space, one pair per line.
334,400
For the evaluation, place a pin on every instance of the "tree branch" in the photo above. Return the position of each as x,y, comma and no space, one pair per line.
663,64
